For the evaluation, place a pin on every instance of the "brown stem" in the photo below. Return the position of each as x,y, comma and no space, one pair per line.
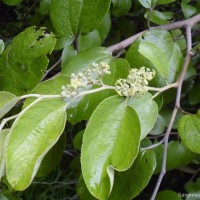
176,107
180,24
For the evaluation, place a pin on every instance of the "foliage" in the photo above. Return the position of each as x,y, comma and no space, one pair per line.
86,114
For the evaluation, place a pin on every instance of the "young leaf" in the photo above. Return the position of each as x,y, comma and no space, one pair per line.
86,58
3,135
71,17
189,131
130,183
113,137
147,111
32,135
7,102
24,61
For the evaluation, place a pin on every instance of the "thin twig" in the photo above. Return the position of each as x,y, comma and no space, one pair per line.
180,24
51,68
177,105
153,145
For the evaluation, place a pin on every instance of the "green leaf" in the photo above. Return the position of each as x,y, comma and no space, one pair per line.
188,10
82,111
7,102
72,17
92,39
147,111
24,61
12,2
3,135
1,46
113,137
156,56
168,194
159,126
105,26
121,7
175,150
193,189
32,135
51,86
7,195
53,157
156,49
148,3
165,1
189,131
194,95
67,54
130,183
77,142
159,18
86,58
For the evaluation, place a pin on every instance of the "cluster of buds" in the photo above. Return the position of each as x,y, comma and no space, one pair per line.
83,80
136,82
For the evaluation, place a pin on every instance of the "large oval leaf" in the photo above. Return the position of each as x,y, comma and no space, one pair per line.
147,111
7,102
32,135
113,137
71,17
189,131
130,183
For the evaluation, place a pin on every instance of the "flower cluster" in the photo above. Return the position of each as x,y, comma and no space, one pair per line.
89,76
136,82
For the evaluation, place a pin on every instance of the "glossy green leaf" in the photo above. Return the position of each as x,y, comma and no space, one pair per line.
165,1
86,58
130,183
189,131
156,56
175,150
156,49
1,46
67,54
147,111
12,2
7,102
105,26
32,135
168,194
159,126
82,111
121,7
53,157
72,17
24,61
92,39
159,18
148,3
113,137
3,135
188,10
